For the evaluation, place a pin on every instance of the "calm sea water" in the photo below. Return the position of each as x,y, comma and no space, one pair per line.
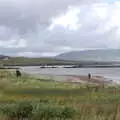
110,73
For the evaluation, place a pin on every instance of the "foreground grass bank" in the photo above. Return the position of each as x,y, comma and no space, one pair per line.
31,98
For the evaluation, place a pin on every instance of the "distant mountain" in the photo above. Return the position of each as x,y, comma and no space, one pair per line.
95,55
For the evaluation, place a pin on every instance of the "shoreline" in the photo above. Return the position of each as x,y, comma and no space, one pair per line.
96,79
75,79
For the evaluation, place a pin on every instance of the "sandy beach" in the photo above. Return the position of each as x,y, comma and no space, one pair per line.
99,75
94,79
76,79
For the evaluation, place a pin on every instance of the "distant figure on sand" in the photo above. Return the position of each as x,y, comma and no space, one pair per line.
18,73
89,76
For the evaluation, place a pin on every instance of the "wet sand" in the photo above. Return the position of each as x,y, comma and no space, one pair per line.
76,79
85,79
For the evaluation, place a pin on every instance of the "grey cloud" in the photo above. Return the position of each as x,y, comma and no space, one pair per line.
26,15
29,19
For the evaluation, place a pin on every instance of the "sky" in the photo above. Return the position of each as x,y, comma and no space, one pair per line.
37,28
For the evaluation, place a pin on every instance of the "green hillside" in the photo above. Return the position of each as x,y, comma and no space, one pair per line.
34,61
24,61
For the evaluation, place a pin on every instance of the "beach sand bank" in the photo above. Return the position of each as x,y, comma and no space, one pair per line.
76,79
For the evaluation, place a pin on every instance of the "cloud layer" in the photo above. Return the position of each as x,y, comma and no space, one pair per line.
37,28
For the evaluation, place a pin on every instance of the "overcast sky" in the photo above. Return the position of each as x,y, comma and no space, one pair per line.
49,27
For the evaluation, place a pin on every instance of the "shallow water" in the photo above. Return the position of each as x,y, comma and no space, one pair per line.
110,73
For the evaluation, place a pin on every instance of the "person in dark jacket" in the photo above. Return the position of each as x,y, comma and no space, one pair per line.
18,73
89,76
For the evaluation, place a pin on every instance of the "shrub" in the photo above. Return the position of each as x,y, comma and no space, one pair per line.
68,112
17,111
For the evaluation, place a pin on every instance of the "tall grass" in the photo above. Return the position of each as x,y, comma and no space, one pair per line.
28,98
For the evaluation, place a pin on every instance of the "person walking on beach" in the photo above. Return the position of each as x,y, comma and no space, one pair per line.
89,76
18,73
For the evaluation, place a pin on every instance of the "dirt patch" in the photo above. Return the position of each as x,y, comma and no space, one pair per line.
94,79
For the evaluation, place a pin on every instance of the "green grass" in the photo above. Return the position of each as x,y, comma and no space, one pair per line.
34,61
22,61
32,99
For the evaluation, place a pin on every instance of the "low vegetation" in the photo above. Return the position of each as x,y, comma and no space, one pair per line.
30,98
24,61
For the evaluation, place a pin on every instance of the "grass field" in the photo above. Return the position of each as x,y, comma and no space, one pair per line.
34,61
28,98
24,61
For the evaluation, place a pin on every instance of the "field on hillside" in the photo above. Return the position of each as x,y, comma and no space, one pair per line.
34,61
30,98
24,61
